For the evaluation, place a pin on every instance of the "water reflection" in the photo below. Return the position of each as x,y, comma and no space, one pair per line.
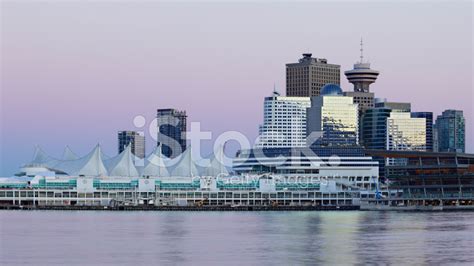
235,238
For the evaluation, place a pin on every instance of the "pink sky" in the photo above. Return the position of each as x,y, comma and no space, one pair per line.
76,73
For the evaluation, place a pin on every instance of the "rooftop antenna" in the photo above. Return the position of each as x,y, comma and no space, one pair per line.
361,51
275,92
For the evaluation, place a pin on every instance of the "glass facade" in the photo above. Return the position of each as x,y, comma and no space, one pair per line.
333,121
429,127
171,131
375,128
405,132
133,138
450,128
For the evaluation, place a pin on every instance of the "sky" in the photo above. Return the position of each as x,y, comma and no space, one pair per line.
75,73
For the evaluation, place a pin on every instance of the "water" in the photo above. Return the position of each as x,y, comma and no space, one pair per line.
235,238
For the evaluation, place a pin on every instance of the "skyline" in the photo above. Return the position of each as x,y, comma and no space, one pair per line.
57,67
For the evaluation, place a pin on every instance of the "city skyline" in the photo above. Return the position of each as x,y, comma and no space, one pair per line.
48,86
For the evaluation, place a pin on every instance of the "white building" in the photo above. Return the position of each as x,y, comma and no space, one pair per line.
284,122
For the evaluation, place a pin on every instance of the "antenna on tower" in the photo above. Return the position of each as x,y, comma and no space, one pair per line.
361,51
275,92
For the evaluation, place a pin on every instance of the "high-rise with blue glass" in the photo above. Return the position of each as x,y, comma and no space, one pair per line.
450,129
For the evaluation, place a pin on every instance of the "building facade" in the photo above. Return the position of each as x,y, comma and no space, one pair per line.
332,119
133,138
428,180
171,131
284,122
450,126
309,75
405,133
374,125
429,127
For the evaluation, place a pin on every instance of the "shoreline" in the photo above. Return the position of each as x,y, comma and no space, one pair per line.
183,208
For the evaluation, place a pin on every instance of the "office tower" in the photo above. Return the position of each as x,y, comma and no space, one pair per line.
332,119
171,131
133,138
392,129
429,127
374,124
451,131
309,75
405,132
284,122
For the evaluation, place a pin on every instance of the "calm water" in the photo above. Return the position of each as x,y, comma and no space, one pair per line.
288,238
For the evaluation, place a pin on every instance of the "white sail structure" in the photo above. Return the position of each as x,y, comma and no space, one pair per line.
216,166
89,165
40,158
69,155
123,164
184,164
156,164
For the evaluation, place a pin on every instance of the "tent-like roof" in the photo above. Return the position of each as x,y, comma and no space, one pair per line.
216,166
156,164
184,165
89,165
125,164
40,158
122,164
68,154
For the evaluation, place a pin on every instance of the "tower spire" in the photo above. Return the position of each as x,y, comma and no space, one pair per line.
361,50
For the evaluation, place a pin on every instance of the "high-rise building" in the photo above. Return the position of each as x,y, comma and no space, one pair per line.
309,75
405,132
429,127
451,131
171,131
332,119
374,125
284,122
392,129
133,138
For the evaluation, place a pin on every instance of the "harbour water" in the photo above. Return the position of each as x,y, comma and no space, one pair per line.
235,238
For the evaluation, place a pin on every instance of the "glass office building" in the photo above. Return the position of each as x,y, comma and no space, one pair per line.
429,127
133,138
171,131
405,132
332,119
451,131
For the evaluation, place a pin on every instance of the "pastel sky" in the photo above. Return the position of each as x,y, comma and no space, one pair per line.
75,73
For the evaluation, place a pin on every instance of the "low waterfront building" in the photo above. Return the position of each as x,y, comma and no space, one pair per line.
349,166
69,191
431,180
